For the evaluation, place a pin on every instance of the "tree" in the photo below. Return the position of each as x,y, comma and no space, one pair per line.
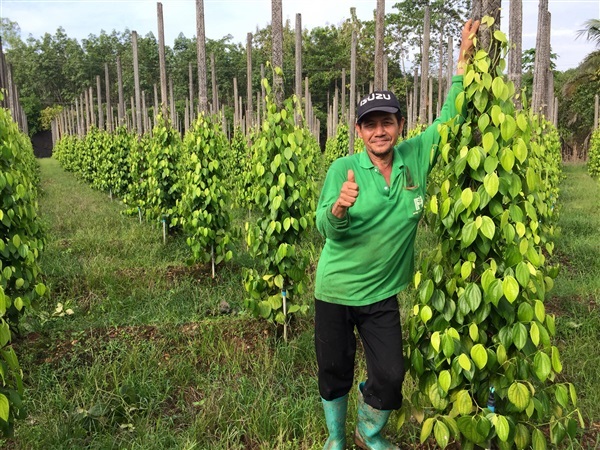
10,32
407,31
527,61
576,112
48,70
592,30
588,70
578,89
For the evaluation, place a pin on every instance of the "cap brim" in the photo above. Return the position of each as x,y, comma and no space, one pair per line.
388,109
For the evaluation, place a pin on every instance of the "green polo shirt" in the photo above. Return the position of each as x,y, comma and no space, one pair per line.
369,254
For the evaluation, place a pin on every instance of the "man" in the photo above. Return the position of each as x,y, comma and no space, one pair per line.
368,211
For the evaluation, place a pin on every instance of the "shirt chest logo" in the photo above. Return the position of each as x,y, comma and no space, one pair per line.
418,205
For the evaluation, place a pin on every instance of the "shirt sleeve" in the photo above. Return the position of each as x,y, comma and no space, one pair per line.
330,226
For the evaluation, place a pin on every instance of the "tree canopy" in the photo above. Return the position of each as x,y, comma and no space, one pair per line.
53,70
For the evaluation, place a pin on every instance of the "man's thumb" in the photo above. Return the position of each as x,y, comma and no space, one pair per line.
351,176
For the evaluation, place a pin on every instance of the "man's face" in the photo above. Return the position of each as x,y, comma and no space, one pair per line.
379,131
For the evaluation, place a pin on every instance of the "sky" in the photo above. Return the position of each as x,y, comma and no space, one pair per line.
80,18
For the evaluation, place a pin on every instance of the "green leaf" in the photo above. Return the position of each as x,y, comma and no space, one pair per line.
494,292
510,288
508,128
521,436
433,204
522,122
520,150
469,425
557,432
4,333
482,123
501,354
444,380
479,356
491,164
416,361
556,364
275,301
483,65
473,296
465,269
426,291
497,87
519,335
474,332
474,158
464,362
562,396
502,428
522,272
519,396
486,279
534,333
466,197
426,313
525,313
426,429
418,276
532,179
497,115
538,440
500,36
480,100
435,341
573,394
550,324
488,227
441,433
463,402
447,345
542,365
507,159
4,408
40,289
264,309
401,418
468,234
435,397
468,79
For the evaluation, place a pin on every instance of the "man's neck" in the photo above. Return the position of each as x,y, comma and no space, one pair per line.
383,162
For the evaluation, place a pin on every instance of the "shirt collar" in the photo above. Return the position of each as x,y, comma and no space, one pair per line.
366,163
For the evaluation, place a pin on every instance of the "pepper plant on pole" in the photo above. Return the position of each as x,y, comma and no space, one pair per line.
284,196
162,173
204,203
479,329
594,155
21,242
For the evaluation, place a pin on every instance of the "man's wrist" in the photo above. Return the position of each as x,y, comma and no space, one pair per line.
338,210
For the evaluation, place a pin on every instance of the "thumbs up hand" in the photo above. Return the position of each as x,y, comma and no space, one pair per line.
347,198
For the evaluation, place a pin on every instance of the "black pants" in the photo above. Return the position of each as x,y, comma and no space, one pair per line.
379,328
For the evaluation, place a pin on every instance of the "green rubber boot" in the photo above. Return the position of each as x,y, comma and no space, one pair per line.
335,416
370,422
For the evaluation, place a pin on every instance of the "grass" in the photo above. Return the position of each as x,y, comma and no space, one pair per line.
149,360
576,295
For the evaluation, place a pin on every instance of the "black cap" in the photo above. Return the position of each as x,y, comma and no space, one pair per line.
384,101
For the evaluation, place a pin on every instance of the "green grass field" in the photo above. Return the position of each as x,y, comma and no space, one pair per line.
151,359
